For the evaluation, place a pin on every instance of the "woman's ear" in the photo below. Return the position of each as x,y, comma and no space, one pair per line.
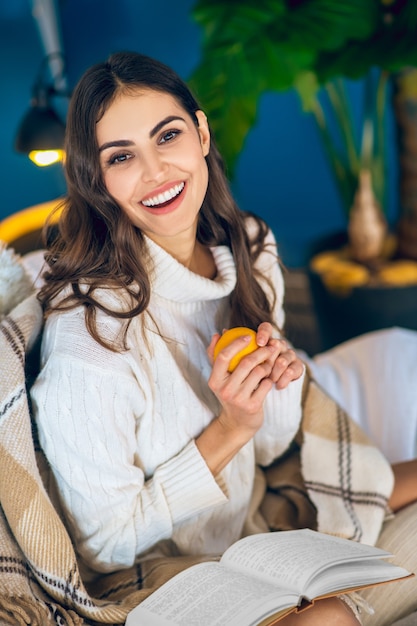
203,131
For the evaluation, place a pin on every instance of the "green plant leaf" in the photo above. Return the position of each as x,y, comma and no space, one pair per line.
231,78
330,24
307,87
250,47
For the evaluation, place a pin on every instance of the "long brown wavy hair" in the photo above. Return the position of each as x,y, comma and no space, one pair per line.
96,244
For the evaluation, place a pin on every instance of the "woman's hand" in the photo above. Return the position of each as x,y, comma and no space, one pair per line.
242,393
286,366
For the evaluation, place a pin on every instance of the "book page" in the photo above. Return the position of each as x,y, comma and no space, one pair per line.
354,574
292,558
208,594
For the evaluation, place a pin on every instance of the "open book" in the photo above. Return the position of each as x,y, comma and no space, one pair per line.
262,578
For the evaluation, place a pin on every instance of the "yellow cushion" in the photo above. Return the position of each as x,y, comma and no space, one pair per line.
28,220
22,230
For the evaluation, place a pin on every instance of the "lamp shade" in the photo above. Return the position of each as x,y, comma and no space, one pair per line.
41,132
40,129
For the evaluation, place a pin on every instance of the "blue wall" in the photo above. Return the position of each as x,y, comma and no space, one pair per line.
282,173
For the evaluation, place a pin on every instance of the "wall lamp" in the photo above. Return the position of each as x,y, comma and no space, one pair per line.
41,132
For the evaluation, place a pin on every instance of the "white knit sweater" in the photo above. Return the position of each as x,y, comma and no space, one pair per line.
119,428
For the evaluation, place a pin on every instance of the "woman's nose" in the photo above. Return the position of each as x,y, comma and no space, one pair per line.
153,166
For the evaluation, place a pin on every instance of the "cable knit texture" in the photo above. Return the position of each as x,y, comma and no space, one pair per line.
118,428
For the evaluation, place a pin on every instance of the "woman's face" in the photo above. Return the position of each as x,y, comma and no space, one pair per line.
152,159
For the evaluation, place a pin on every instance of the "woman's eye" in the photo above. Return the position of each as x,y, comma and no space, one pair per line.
119,158
169,135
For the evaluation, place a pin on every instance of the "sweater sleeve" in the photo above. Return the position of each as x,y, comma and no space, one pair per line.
87,406
282,416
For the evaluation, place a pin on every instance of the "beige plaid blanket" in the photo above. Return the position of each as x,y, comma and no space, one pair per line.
334,479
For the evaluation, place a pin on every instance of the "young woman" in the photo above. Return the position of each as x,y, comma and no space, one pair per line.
147,436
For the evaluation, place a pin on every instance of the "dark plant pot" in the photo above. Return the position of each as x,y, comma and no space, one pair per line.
363,309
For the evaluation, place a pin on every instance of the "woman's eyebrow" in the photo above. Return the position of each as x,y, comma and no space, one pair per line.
120,143
162,123
125,143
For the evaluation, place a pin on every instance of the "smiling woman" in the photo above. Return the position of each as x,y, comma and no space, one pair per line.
156,446
156,171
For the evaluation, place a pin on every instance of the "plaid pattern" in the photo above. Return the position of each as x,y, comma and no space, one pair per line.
333,480
347,478
40,581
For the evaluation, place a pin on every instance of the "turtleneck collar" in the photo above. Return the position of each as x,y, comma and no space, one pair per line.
173,281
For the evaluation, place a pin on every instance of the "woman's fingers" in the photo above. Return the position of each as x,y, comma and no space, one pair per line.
252,368
210,349
242,392
279,360
264,333
287,367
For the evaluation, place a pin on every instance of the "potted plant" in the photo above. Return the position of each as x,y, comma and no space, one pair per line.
254,46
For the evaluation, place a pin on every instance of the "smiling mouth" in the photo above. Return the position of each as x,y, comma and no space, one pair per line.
162,199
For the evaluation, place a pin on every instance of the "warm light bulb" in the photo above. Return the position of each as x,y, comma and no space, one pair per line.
46,157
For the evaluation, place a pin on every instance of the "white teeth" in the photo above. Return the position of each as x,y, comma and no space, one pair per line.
164,197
